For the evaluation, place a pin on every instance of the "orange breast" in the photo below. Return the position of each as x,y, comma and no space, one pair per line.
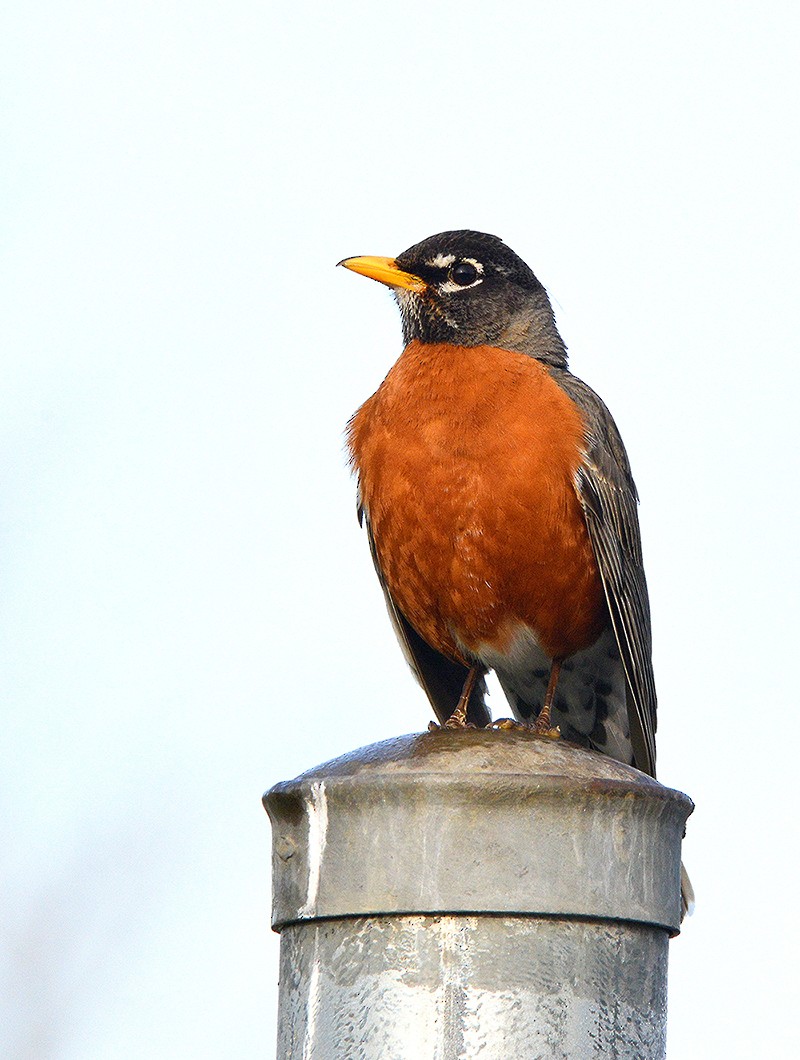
465,459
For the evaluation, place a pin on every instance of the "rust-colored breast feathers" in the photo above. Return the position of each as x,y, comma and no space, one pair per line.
466,458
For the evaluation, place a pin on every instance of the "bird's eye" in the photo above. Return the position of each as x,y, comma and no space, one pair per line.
464,274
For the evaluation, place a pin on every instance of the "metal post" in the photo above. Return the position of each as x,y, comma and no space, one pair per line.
469,894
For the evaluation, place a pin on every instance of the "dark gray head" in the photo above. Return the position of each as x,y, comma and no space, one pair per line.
470,289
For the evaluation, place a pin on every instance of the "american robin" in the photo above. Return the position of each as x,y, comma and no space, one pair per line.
500,508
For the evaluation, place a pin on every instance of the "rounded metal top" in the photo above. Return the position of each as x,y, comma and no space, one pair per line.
474,751
476,821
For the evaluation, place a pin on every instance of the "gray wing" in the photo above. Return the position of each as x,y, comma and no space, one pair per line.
608,496
442,679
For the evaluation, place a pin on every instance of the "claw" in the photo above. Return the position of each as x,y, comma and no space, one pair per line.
547,731
453,726
507,724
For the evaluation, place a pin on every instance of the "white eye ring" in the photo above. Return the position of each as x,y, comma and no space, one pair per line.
450,286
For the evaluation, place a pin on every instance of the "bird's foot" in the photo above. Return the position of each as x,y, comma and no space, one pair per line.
508,724
512,725
542,727
458,719
434,726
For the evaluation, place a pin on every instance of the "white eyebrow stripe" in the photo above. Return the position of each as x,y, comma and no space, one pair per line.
441,261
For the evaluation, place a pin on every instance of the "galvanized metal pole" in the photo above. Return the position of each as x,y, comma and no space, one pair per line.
474,894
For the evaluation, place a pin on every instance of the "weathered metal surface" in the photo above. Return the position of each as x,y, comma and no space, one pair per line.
475,893
476,821
458,987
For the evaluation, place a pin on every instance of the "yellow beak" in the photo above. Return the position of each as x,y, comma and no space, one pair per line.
384,270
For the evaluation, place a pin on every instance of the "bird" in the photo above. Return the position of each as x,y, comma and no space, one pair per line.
500,508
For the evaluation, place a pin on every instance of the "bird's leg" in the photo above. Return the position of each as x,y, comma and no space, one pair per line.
458,719
542,726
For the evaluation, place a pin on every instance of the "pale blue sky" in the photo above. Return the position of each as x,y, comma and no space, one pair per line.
188,611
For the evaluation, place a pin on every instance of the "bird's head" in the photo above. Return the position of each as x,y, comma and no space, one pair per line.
469,289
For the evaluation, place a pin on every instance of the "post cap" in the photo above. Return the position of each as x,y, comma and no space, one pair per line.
476,821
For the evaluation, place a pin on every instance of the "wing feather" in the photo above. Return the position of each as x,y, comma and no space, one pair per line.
609,500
